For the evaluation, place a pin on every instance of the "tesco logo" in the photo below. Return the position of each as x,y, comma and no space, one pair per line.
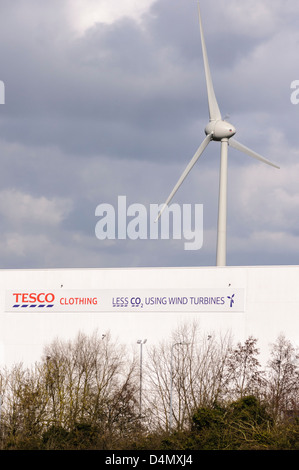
32,298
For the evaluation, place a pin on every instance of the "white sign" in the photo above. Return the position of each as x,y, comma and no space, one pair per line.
110,300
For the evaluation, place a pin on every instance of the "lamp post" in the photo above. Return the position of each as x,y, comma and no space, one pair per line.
141,343
171,380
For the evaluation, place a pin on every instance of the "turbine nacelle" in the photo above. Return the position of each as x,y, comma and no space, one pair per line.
220,130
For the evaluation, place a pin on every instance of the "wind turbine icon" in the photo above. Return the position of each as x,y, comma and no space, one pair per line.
218,130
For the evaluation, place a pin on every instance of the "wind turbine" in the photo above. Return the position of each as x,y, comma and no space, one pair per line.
218,130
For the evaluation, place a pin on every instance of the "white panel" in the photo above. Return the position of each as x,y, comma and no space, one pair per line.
128,300
135,303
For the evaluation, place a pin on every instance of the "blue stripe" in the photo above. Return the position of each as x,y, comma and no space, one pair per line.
33,305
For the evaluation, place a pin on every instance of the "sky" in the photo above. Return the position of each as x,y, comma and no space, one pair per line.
106,99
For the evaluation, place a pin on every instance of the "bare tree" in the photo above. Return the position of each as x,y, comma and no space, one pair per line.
83,378
185,373
24,411
283,377
243,373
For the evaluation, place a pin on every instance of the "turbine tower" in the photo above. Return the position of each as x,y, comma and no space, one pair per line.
218,130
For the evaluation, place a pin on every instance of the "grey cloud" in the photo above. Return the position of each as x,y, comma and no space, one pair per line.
122,109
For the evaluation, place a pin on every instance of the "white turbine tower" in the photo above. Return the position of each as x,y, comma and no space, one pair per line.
221,131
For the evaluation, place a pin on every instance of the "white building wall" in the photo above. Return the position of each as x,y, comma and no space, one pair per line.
266,303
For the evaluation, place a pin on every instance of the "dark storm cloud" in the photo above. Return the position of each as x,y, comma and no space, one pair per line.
114,91
99,93
119,90
121,110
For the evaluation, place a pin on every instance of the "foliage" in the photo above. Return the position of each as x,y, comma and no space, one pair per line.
84,394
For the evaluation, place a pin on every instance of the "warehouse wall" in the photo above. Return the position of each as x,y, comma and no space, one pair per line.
36,306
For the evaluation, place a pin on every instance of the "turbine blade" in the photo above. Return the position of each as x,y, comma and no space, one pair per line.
234,143
212,102
187,170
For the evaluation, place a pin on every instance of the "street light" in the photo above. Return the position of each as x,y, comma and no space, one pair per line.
171,374
141,342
